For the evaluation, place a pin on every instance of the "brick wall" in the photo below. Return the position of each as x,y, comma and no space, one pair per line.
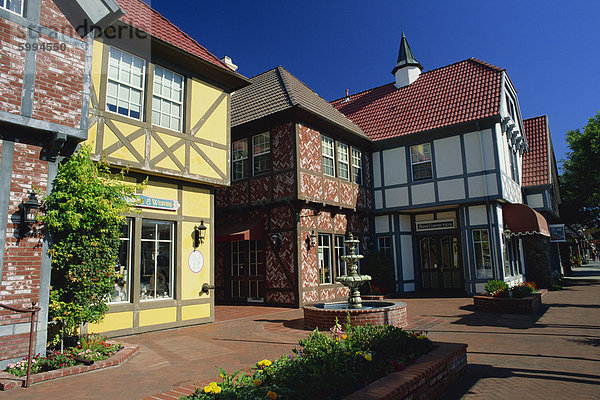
12,66
20,284
53,18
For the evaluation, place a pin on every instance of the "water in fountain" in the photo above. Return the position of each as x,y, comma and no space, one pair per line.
352,280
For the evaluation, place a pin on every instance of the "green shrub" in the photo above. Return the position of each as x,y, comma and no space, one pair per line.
523,289
324,367
497,288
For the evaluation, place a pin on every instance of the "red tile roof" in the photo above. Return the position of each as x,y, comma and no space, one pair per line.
465,91
536,165
144,18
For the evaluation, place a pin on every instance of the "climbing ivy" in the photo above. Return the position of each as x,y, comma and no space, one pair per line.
83,218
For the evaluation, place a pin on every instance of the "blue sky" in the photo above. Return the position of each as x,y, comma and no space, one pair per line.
549,48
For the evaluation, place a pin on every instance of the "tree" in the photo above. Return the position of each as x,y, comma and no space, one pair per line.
580,179
84,218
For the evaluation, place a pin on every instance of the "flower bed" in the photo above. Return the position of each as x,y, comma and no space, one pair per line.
92,352
524,305
325,367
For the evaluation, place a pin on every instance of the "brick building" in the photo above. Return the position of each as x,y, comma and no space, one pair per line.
44,90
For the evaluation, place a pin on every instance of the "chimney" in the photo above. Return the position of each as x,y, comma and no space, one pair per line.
407,69
227,61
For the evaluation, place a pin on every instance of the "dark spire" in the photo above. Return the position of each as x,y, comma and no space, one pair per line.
405,56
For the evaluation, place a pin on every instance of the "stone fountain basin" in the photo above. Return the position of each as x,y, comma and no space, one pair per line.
323,315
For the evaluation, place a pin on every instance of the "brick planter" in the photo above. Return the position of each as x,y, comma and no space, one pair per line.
8,381
525,305
427,378
318,315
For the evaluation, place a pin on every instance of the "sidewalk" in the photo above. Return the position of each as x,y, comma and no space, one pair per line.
554,354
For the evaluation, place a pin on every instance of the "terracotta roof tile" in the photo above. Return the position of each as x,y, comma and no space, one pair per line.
465,91
145,18
536,165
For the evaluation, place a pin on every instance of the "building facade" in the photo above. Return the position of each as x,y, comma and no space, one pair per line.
45,70
300,182
447,157
160,105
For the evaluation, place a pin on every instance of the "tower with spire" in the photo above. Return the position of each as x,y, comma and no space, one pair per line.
407,69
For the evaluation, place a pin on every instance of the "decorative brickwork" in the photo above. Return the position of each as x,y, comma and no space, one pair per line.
525,305
309,149
282,145
260,190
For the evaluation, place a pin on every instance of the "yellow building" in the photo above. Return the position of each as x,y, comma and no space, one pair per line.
160,108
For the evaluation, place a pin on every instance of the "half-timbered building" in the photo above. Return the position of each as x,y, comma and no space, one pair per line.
300,182
447,176
160,105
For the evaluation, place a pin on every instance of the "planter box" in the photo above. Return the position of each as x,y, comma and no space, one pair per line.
524,305
430,376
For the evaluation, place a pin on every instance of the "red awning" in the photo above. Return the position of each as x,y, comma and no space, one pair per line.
524,220
245,230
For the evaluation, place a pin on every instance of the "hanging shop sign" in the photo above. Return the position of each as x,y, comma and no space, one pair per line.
557,232
143,201
436,225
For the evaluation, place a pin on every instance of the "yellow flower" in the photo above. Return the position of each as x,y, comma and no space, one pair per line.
257,382
368,357
421,337
221,375
344,337
359,353
272,395
264,363
208,389
217,390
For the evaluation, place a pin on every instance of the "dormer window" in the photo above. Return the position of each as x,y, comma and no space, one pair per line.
420,158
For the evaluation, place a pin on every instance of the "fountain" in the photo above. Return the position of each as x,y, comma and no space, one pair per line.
324,315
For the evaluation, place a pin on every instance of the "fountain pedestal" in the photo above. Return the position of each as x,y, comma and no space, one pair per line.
353,280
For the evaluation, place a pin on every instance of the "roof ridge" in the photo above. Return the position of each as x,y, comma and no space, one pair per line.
182,31
537,116
286,86
362,91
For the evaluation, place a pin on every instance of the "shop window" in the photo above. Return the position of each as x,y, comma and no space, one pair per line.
356,166
167,99
343,161
483,255
327,155
239,159
261,153
420,158
125,86
384,244
512,259
340,250
158,259
325,275
15,6
124,263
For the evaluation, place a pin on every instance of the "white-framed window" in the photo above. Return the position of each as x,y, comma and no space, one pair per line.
123,268
512,259
261,153
343,161
384,244
167,99
328,155
356,166
239,159
15,6
125,86
340,250
157,259
325,275
420,159
514,165
483,255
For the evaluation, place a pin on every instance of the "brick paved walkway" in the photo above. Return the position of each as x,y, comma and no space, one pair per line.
555,354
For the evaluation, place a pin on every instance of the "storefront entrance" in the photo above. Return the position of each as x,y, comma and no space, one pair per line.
247,271
440,263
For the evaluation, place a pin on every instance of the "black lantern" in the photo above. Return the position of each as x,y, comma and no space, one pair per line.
29,212
311,240
199,233
276,240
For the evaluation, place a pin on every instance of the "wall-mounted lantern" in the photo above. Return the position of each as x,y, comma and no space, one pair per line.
29,212
276,241
311,240
199,234
507,233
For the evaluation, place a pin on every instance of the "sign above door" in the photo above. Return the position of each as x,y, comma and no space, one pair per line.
435,225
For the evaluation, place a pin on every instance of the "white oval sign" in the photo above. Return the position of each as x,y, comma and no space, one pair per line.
196,261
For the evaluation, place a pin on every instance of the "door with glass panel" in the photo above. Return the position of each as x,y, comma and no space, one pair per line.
440,265
247,271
